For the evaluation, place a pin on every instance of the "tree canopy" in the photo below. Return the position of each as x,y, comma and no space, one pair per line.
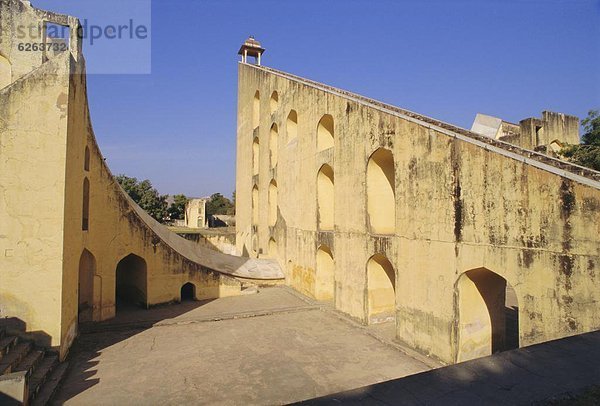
219,204
177,209
146,196
588,152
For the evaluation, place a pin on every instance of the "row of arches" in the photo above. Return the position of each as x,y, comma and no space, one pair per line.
380,179
131,284
380,191
486,313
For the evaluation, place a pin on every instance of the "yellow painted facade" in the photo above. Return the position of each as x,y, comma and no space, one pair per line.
71,239
435,201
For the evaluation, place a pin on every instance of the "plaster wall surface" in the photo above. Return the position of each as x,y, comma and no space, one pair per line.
54,227
462,202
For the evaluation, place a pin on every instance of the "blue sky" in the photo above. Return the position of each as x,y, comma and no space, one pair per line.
446,59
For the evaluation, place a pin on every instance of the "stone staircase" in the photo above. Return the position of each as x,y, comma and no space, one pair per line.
29,375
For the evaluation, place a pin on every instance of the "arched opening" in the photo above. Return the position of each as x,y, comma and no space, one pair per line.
255,156
5,72
291,125
188,292
381,290
324,278
381,192
274,102
256,110
325,133
325,198
272,202
487,314
86,159
85,216
274,144
255,205
272,248
87,270
131,283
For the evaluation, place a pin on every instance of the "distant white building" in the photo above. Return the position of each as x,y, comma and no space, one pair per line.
195,213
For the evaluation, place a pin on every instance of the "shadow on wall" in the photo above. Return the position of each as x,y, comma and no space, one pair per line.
17,327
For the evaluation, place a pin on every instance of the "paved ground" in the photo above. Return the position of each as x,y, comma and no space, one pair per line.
269,348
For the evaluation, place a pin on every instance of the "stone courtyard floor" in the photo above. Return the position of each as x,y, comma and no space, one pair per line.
278,347
273,347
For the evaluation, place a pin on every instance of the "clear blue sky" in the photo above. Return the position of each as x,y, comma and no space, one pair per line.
446,59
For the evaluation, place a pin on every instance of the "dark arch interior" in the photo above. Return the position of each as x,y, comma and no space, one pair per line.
188,292
131,282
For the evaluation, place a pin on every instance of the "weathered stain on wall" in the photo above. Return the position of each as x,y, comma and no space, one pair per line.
462,202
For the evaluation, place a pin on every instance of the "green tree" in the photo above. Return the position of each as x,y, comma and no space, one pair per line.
177,209
219,204
146,196
588,152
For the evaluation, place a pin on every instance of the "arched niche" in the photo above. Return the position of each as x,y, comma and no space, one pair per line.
325,198
273,204
274,145
381,289
325,133
381,192
324,278
256,110
292,126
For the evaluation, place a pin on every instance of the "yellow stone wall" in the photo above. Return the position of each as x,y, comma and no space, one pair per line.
45,130
459,206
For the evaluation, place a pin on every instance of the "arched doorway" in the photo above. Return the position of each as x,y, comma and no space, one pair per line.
381,290
87,270
131,282
5,72
325,205
487,315
324,278
188,292
381,192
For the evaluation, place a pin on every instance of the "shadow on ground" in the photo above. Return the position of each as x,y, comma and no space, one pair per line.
130,320
539,374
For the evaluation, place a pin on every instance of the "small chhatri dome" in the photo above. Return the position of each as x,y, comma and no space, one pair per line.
251,47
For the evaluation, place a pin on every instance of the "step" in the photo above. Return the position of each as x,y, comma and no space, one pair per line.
6,344
49,388
41,373
14,356
30,362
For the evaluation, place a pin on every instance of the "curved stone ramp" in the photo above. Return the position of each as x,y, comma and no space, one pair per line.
230,265
241,267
